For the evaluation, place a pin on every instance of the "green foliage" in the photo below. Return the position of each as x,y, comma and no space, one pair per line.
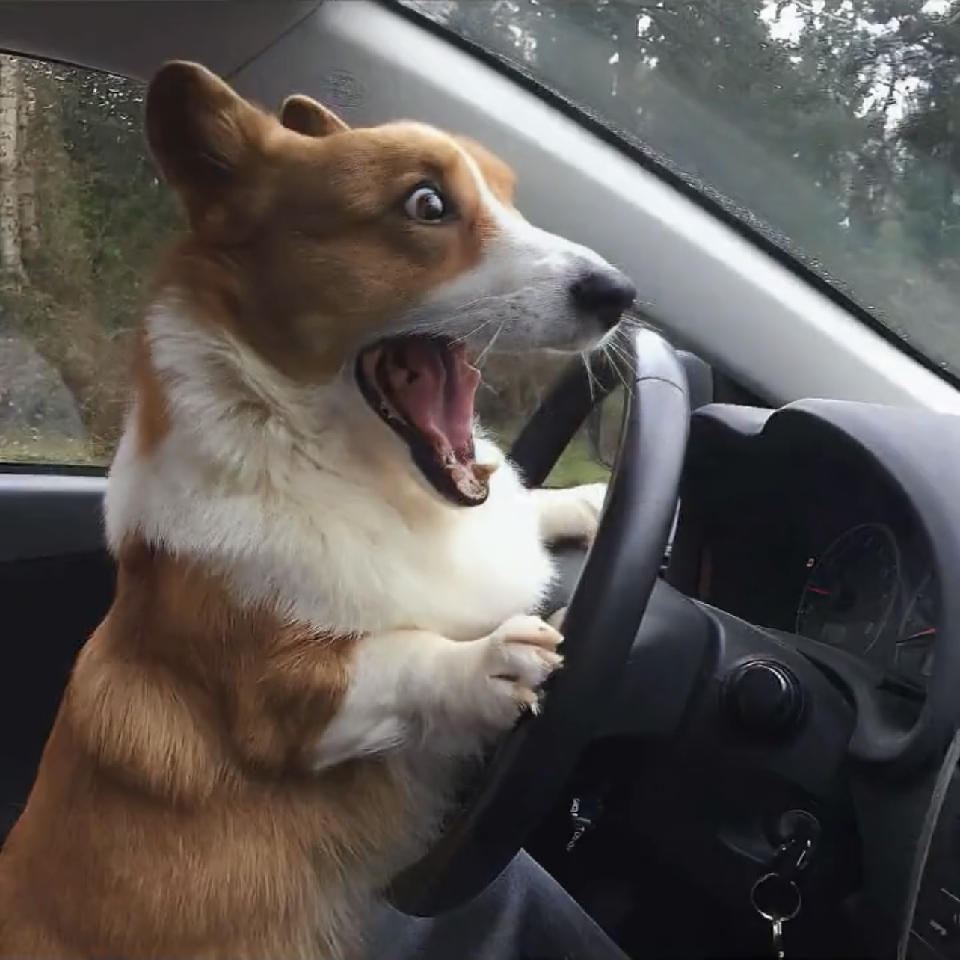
833,125
120,207
101,218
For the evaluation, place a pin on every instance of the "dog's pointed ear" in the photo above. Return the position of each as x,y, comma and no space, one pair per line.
202,134
304,115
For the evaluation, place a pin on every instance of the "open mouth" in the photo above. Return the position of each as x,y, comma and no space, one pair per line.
423,388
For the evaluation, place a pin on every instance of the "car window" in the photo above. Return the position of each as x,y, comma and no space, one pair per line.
830,126
82,215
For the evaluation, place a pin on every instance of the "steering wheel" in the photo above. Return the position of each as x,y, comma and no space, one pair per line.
524,778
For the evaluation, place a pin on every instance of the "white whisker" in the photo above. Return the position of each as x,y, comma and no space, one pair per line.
489,346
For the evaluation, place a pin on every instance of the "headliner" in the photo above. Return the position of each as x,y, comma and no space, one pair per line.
134,38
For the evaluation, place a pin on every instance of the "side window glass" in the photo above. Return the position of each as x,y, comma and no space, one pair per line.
514,386
82,216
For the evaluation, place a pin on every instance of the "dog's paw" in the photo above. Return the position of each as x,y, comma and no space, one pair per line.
593,496
507,668
572,513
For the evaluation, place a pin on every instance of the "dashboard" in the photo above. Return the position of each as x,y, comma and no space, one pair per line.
808,537
820,543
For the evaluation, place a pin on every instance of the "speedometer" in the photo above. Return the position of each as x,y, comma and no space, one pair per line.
851,589
913,654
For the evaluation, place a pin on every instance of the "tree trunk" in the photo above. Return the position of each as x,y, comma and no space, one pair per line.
11,262
26,182
59,305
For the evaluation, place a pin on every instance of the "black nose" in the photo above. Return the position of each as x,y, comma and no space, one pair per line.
605,293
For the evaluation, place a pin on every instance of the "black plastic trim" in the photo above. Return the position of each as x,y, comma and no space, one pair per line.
912,453
26,468
50,515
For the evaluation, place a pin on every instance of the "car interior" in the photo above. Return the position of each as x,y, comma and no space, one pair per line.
785,699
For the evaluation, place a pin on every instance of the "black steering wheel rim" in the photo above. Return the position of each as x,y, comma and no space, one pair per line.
520,786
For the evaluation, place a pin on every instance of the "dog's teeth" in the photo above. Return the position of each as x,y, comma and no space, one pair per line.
483,471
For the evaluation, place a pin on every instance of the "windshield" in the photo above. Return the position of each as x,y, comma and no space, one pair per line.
832,126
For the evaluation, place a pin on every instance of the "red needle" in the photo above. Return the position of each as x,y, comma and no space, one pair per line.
819,590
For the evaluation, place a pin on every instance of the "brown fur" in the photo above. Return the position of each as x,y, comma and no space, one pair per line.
153,418
173,813
192,827
309,251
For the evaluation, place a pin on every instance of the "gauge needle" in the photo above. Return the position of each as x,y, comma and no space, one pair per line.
920,634
818,590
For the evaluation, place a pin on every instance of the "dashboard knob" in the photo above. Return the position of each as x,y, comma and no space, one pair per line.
763,698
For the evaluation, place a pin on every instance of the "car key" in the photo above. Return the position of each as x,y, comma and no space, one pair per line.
777,900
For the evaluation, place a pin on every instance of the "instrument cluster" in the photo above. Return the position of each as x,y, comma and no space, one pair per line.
866,593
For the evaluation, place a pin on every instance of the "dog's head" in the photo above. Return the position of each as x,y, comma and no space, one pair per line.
387,255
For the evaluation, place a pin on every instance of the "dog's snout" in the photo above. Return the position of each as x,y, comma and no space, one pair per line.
604,293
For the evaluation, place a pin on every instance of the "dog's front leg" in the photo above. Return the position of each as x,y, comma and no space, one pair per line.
569,513
413,686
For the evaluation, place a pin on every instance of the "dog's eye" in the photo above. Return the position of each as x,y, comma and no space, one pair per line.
427,205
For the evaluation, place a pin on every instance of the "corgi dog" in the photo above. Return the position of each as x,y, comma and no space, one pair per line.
326,575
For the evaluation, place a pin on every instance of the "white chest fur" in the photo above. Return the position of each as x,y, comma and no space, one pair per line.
317,508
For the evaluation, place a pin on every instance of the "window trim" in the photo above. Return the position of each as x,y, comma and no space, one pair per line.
30,468
661,168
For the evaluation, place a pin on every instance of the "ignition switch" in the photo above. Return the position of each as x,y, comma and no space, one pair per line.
585,812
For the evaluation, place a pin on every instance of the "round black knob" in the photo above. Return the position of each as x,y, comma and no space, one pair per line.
763,698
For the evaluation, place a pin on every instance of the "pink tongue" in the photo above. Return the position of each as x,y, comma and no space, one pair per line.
436,398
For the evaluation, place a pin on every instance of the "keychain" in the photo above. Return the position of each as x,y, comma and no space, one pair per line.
777,900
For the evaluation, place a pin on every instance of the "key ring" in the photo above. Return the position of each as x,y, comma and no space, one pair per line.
783,917
777,915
